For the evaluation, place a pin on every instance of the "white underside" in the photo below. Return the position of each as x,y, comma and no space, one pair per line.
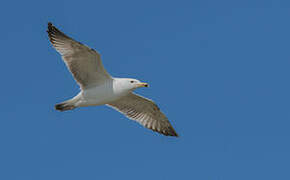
98,95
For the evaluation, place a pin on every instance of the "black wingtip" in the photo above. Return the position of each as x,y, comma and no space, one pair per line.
173,133
53,32
64,107
169,131
50,27
50,31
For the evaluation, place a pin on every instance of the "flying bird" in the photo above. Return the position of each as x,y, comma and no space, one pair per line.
98,87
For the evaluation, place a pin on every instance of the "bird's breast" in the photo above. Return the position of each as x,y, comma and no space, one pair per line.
100,95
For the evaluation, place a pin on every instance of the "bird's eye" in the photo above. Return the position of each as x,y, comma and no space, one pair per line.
131,81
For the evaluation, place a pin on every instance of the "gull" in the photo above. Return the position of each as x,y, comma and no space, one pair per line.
98,87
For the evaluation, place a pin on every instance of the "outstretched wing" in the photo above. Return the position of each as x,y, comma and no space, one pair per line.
83,62
145,112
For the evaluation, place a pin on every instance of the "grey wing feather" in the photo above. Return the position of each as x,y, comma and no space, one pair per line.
83,62
145,112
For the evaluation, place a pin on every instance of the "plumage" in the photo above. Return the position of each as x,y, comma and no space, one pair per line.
83,62
99,88
145,112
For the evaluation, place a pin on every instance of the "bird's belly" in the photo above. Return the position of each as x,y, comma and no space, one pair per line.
98,96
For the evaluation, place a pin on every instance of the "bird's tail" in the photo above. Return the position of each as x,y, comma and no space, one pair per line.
64,106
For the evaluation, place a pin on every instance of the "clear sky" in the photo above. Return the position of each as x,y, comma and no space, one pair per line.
218,69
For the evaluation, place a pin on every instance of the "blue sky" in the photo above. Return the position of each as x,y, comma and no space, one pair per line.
218,69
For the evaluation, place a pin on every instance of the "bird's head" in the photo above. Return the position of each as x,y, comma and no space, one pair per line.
130,84
135,83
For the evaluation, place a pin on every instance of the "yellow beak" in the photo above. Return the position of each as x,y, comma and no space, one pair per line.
142,84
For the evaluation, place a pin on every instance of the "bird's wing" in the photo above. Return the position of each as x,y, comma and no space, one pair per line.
145,112
83,62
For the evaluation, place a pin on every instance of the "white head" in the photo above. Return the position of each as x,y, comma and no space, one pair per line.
129,84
